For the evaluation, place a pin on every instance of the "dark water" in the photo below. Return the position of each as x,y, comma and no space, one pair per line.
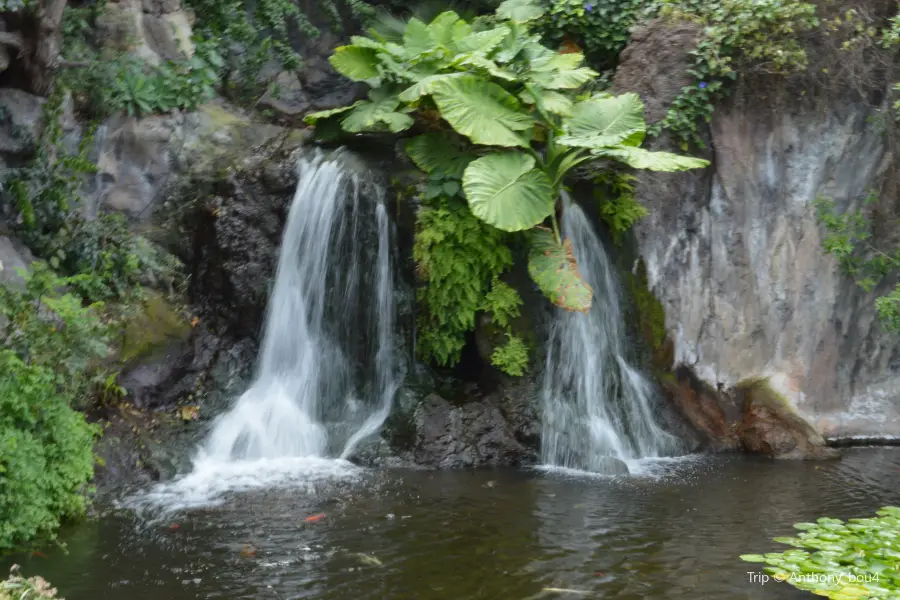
487,535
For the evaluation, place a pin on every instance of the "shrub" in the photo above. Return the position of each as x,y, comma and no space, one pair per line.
52,345
600,27
850,560
46,453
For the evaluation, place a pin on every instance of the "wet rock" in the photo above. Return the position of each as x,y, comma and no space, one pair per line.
771,427
608,465
489,431
705,410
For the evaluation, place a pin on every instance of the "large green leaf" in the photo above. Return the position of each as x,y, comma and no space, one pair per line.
417,39
425,86
553,268
480,62
483,42
605,122
507,191
439,154
355,62
379,112
652,161
520,11
313,118
552,102
554,71
482,111
443,27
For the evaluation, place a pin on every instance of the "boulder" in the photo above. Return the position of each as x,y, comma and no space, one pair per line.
608,465
770,426
495,430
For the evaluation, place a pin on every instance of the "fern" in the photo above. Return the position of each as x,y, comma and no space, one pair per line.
511,357
457,256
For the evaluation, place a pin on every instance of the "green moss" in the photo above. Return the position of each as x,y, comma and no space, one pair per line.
154,325
648,311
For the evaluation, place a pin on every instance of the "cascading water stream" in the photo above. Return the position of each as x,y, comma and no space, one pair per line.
328,367
595,404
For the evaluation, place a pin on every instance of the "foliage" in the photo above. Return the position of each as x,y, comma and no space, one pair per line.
618,206
600,27
503,304
46,328
848,237
737,34
458,257
51,341
850,560
249,35
111,259
511,357
513,100
127,83
19,588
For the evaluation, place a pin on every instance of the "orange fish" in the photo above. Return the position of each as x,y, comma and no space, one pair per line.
314,518
39,554
174,526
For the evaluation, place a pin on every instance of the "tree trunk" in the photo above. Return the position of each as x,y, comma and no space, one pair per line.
45,59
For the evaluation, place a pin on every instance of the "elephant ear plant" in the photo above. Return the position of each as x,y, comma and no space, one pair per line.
499,120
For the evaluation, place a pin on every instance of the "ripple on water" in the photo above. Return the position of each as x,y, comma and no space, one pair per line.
212,482
673,530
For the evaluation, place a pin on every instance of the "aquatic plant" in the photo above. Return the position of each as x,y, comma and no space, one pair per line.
851,560
19,588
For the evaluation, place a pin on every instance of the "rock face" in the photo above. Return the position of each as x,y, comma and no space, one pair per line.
494,430
734,254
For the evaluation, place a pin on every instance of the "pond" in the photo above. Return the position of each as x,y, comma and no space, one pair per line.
674,529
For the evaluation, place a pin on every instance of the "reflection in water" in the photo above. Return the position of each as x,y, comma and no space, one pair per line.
674,532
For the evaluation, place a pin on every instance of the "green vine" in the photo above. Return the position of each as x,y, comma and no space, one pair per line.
736,34
848,237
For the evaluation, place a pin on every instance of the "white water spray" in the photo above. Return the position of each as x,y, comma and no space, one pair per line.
595,404
328,368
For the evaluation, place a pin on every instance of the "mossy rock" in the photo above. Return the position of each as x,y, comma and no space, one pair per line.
153,327
771,426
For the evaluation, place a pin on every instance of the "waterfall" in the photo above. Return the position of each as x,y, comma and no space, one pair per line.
595,403
327,355
328,368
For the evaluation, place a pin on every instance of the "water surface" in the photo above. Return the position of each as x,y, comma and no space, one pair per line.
674,531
